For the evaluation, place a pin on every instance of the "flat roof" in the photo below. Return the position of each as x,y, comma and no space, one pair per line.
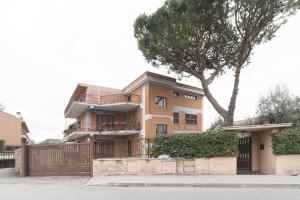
259,127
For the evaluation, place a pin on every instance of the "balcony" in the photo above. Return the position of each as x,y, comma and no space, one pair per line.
116,102
105,128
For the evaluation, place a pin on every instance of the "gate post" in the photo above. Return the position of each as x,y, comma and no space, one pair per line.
92,153
24,163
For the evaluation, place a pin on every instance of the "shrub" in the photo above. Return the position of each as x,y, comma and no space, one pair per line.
206,144
2,143
286,142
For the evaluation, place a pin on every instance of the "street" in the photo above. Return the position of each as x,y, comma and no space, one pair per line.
39,188
74,192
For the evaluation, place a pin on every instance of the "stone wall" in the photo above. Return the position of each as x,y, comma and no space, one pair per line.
140,166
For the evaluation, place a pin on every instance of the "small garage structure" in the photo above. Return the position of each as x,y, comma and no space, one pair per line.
255,149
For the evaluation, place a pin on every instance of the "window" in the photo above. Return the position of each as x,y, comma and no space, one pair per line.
190,97
176,118
161,102
161,129
190,119
261,146
175,94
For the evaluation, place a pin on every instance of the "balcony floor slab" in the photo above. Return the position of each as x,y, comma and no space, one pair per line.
79,134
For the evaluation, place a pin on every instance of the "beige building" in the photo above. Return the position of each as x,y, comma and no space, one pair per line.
151,105
11,129
256,153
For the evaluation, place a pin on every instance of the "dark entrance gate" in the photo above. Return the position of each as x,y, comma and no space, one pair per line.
244,155
59,160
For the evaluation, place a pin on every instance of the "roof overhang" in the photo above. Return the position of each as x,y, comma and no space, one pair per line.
149,79
162,82
78,92
255,128
78,107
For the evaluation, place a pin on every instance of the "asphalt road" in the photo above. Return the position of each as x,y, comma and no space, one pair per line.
74,188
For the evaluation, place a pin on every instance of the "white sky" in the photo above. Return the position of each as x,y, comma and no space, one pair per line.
47,47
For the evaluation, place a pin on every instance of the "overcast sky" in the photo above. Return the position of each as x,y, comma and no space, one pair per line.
47,47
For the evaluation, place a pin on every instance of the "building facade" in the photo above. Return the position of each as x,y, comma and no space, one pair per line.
151,105
11,129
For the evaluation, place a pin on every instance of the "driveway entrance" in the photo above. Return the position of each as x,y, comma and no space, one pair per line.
59,160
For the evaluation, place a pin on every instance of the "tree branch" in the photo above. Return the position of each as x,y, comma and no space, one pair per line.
211,98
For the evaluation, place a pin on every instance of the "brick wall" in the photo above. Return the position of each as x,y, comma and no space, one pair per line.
158,115
155,90
181,101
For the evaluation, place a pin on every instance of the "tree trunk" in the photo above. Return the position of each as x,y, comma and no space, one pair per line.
228,115
228,119
211,99
231,108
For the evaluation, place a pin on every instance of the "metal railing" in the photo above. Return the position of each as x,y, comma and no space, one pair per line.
77,158
126,147
59,159
109,126
106,99
7,155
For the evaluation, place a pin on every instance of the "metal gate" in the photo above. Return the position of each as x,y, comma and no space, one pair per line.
7,159
244,156
60,160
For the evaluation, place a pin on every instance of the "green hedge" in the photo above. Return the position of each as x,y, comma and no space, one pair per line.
206,144
2,144
286,142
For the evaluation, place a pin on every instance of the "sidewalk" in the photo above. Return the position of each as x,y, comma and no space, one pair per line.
238,181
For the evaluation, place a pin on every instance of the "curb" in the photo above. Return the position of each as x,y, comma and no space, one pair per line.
200,185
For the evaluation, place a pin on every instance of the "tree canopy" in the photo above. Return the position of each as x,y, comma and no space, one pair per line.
206,38
217,123
2,108
278,105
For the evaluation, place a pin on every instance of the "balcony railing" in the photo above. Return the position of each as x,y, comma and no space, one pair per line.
112,126
107,99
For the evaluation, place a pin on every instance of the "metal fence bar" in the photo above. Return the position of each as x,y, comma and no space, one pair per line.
7,159
125,147
7,155
60,159
76,159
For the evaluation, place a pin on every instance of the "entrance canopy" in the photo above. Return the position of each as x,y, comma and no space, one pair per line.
255,151
256,128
